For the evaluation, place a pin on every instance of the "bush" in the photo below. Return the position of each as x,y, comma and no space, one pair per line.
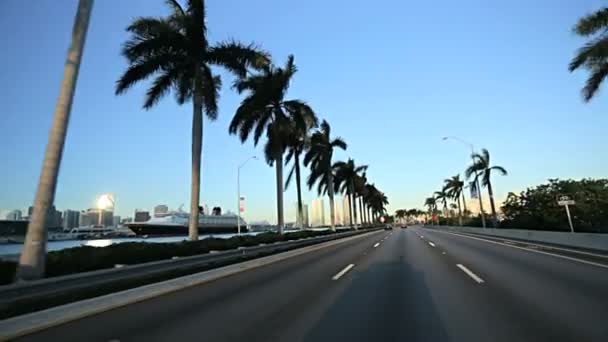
87,258
7,271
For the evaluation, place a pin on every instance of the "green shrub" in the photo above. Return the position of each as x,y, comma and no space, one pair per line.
7,271
87,258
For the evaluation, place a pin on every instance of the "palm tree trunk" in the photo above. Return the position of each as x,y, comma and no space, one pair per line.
350,209
197,146
481,213
279,169
32,259
494,217
464,202
360,210
354,203
459,211
298,188
330,191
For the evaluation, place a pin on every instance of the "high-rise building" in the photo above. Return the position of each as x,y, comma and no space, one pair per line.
71,219
302,221
53,217
14,215
115,221
161,210
345,211
318,213
141,215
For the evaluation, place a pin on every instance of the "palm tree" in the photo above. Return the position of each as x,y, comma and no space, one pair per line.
319,157
346,172
265,109
453,187
360,192
593,56
377,202
401,213
175,51
481,168
431,204
297,141
442,197
32,259
370,193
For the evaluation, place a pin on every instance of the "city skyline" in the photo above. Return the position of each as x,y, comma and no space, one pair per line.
473,105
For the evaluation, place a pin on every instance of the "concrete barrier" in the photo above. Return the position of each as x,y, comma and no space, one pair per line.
598,242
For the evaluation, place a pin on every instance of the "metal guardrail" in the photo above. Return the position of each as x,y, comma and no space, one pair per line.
29,293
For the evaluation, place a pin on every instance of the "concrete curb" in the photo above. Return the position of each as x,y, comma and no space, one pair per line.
29,323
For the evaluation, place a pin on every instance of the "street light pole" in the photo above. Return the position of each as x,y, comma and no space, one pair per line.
483,218
238,191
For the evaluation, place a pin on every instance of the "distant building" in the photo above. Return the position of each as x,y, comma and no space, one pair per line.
302,221
53,217
84,220
345,211
71,219
115,221
141,215
318,213
161,210
126,220
14,215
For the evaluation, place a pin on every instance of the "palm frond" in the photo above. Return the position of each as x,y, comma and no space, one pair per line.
591,53
592,85
141,70
160,87
289,176
237,57
500,170
592,23
209,85
176,7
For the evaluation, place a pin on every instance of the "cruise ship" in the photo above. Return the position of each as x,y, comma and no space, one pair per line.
176,223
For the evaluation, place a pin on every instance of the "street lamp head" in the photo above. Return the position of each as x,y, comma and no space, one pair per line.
444,138
255,157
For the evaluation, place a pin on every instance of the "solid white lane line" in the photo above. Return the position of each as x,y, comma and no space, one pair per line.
432,244
532,250
343,272
377,244
470,274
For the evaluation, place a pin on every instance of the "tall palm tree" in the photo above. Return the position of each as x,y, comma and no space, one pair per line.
593,56
297,141
346,172
453,187
32,259
442,197
401,213
370,194
175,51
265,110
378,203
431,204
319,156
481,168
360,189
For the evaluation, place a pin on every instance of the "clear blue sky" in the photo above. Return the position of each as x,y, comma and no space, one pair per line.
392,77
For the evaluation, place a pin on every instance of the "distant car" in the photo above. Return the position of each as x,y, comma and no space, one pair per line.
403,226
388,227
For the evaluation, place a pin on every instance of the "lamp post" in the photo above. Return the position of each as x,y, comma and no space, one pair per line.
238,191
483,218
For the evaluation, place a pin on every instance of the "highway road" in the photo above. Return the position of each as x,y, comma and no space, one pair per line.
408,285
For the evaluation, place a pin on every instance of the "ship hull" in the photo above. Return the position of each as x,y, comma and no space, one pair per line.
141,229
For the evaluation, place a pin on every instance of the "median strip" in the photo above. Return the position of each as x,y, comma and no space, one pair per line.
343,272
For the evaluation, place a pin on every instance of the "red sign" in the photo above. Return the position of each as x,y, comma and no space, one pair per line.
242,204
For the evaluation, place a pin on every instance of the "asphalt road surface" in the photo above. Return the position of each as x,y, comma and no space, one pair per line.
403,285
